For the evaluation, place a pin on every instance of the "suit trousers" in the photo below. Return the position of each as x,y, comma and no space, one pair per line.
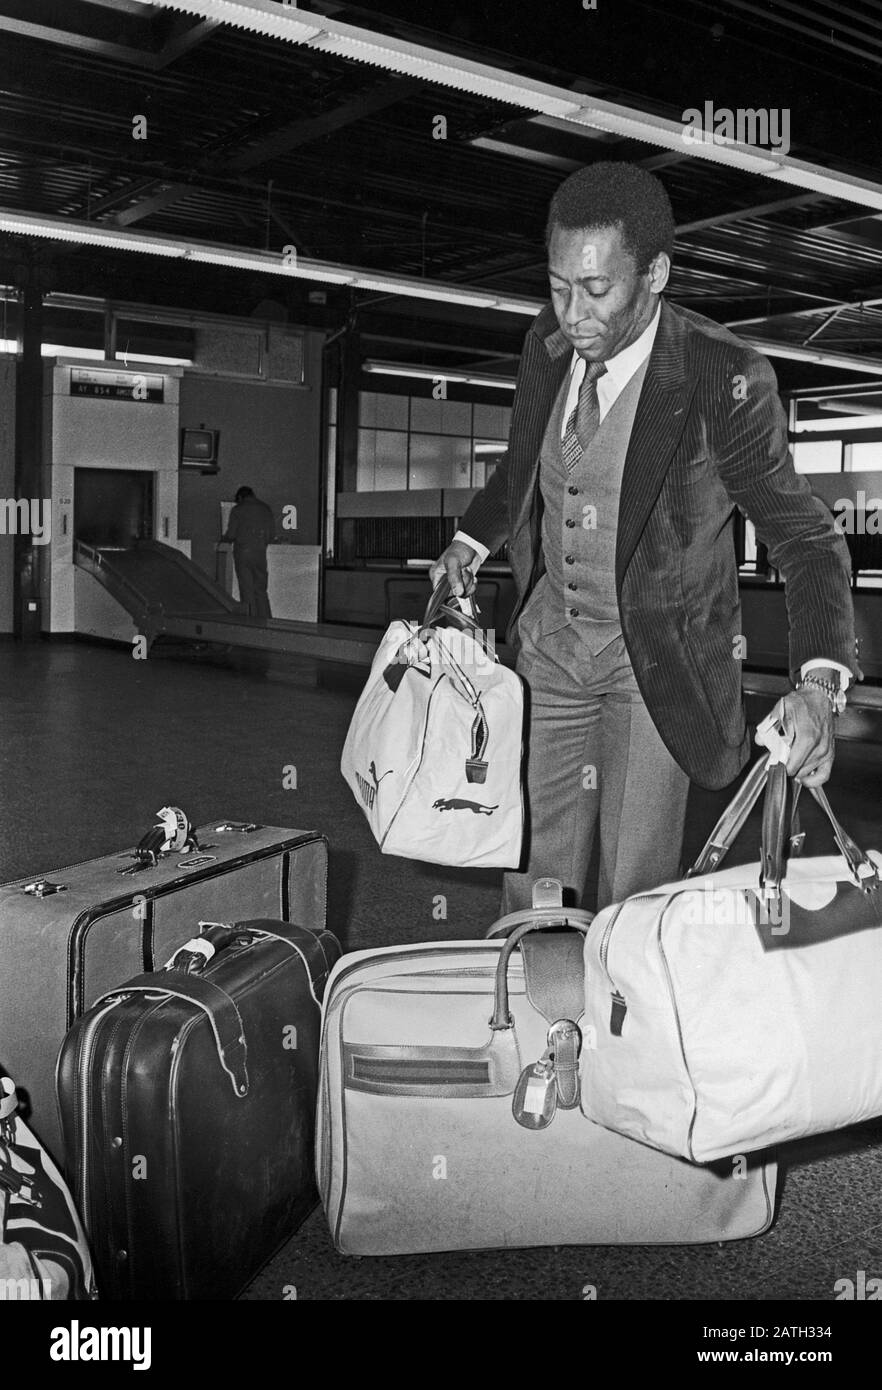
594,758
251,572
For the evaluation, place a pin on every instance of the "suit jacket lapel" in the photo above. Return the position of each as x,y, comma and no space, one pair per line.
658,424
543,377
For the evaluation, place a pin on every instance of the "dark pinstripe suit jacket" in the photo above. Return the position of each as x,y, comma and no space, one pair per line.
709,434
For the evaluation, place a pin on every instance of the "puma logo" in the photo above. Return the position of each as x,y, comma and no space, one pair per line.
455,803
368,792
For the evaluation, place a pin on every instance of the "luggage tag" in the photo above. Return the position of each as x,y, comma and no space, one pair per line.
541,1086
534,1104
772,734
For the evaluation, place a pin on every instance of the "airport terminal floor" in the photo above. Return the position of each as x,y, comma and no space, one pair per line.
95,742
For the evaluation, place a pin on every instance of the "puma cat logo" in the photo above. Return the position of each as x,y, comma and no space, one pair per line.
455,803
368,792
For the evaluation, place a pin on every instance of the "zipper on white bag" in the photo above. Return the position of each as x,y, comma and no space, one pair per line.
619,1005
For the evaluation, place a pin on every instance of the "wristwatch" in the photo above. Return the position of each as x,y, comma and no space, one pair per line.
835,694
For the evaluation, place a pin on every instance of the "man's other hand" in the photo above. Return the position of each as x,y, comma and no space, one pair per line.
808,717
456,563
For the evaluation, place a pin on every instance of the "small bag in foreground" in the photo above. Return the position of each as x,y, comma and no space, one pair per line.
448,1108
43,1250
733,1011
433,752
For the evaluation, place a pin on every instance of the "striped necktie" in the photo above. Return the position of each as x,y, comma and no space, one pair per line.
582,424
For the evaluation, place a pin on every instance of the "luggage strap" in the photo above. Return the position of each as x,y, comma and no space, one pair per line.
218,1007
554,976
554,979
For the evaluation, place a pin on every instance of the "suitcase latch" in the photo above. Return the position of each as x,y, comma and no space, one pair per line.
43,888
241,827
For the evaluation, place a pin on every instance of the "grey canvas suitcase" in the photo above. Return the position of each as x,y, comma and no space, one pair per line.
70,936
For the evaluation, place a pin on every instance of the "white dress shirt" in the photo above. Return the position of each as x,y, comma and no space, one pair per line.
619,370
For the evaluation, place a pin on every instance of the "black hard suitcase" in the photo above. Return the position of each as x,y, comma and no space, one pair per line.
69,936
187,1101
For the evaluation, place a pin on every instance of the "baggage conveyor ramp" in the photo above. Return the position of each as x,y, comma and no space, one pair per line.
168,596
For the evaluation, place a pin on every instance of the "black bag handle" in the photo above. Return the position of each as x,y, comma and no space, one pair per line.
517,925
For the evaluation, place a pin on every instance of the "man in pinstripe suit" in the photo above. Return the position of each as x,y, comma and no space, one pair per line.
638,427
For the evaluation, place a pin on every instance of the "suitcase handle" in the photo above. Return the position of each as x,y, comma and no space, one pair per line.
309,944
518,925
218,1007
439,607
775,781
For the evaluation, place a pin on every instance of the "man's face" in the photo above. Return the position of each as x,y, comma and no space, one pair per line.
602,303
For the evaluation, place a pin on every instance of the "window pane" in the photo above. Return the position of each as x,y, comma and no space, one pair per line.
492,420
863,458
487,453
382,460
382,411
438,460
390,469
391,412
367,451
818,456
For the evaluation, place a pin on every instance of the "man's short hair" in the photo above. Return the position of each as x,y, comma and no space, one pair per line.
243,493
615,194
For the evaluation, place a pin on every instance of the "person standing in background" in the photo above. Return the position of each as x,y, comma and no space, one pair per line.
251,528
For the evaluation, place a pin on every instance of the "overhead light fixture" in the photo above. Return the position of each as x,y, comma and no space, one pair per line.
871,366
531,156
840,422
286,22
266,262
153,357
841,405
501,383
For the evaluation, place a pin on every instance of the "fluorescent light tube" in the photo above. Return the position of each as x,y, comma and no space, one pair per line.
437,374
864,365
265,262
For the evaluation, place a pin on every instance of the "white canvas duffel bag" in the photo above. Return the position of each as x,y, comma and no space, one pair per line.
739,1009
448,1113
433,752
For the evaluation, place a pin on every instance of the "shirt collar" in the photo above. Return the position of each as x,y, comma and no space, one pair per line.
624,364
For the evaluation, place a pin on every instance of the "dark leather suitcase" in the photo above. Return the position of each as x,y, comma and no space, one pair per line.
68,937
187,1100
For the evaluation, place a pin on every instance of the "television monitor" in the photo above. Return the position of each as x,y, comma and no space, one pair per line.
199,449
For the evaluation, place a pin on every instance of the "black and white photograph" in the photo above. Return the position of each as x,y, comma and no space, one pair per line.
440,671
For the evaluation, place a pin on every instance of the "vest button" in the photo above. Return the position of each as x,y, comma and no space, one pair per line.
570,521
572,586
570,559
574,612
573,491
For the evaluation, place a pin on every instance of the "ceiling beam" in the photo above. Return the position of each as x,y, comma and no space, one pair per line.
96,206
299,132
839,305
309,128
138,8
118,52
164,195
737,214
185,36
